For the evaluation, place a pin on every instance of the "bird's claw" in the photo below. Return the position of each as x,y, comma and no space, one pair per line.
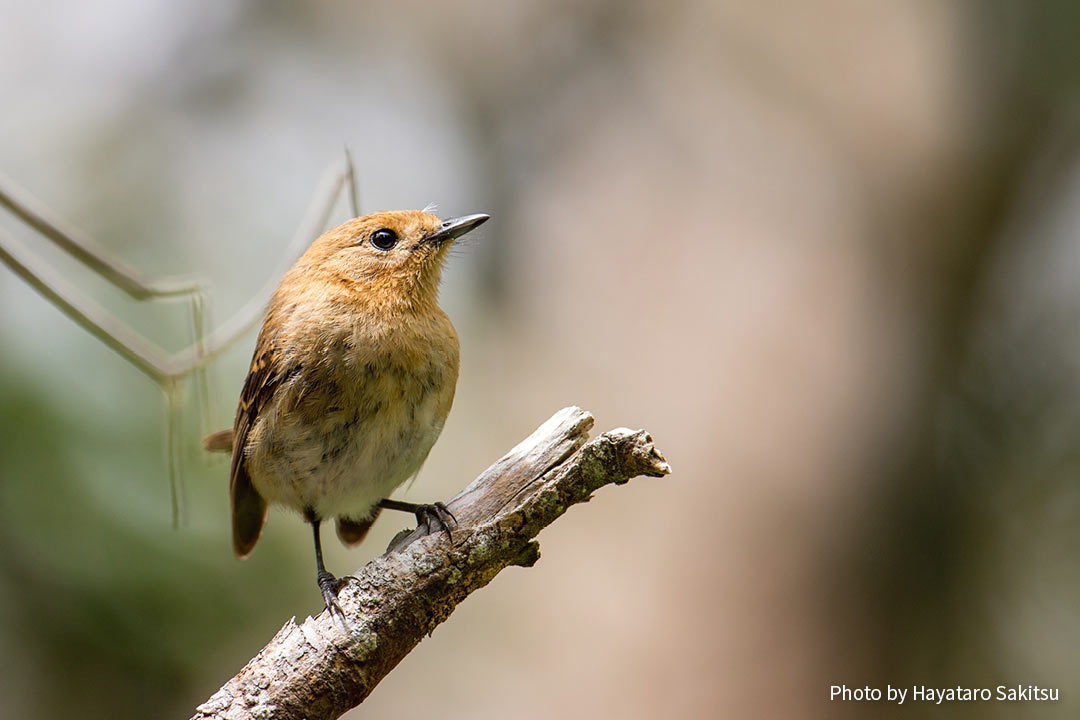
435,517
330,587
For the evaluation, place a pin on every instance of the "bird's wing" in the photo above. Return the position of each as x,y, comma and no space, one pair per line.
248,507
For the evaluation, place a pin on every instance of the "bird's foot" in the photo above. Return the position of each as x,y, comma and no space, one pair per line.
330,587
433,517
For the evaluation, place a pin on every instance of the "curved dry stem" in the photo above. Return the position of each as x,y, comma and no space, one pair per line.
86,250
165,369
143,354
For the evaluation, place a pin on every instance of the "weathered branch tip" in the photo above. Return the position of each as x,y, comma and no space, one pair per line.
318,669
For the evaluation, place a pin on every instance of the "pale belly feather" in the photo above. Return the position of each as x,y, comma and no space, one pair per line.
339,451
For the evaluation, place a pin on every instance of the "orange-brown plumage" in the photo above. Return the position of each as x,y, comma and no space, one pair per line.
352,377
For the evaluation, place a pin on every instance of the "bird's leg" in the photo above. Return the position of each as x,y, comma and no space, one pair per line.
434,516
328,584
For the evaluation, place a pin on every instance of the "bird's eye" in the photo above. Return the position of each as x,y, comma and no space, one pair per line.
384,238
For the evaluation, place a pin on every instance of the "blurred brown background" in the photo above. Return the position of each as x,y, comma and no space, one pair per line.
825,252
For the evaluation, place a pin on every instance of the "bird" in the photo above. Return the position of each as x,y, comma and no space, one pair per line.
352,378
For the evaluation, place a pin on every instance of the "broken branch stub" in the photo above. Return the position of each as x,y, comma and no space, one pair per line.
321,669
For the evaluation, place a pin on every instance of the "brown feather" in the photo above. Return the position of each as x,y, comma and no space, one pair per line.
220,441
352,376
248,507
352,532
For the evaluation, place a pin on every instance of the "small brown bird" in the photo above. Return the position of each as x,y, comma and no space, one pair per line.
352,379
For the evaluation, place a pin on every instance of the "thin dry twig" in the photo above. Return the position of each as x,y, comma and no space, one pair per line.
164,369
147,357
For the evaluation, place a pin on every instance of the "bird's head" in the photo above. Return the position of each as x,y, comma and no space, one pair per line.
398,254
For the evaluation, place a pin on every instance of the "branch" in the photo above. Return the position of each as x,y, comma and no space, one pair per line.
320,669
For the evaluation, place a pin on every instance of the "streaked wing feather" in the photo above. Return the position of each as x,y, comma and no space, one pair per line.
248,507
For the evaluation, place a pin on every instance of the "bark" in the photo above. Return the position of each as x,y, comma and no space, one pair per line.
321,668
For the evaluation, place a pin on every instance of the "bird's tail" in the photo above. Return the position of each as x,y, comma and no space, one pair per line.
220,441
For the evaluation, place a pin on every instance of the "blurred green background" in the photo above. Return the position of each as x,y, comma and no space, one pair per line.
825,252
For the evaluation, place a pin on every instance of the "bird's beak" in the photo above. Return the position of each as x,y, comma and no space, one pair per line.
456,227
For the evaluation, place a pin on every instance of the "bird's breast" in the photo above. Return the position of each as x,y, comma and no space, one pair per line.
354,419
